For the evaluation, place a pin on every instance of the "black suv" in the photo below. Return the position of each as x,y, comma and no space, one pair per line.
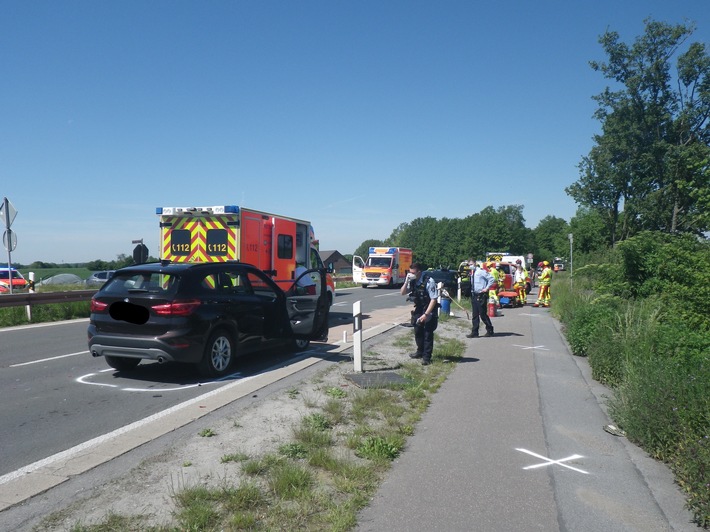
450,279
205,314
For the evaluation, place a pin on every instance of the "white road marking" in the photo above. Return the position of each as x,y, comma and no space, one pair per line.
548,461
84,379
48,359
100,439
540,347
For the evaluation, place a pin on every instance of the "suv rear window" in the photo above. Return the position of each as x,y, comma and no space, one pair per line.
151,282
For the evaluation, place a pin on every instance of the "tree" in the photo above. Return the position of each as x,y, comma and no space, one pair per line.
363,249
589,231
649,166
551,238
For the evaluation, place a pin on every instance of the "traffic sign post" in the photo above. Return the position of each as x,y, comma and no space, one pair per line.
140,252
9,239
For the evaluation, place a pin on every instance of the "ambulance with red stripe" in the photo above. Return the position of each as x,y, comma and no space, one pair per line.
273,243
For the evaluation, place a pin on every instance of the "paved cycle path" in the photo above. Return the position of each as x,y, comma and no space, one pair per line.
514,441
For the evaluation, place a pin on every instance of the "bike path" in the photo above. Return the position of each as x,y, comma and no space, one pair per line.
514,441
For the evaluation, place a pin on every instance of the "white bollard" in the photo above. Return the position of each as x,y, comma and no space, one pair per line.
345,337
357,337
28,308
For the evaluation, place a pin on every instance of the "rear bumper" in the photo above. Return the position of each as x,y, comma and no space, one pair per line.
148,353
173,348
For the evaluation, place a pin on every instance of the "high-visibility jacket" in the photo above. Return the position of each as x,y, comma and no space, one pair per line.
545,276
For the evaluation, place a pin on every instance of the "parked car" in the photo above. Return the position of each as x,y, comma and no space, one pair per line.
449,278
11,275
205,314
62,279
99,278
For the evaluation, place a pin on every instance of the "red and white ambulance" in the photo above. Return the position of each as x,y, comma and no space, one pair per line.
273,243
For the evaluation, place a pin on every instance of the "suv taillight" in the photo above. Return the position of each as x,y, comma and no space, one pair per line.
98,306
177,308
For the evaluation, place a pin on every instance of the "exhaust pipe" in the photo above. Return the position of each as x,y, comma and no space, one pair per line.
161,360
95,354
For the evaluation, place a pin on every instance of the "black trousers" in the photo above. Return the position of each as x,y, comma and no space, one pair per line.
479,303
424,335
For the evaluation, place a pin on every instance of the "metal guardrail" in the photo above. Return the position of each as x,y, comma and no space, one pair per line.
45,298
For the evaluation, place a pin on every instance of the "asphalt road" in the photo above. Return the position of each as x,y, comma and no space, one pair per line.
56,396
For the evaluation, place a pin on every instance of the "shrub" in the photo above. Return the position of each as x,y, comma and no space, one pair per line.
586,321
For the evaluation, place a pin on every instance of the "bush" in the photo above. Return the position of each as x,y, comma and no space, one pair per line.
663,405
642,321
586,321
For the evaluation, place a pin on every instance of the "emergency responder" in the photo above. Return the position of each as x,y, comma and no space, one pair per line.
421,289
543,296
497,285
522,294
481,282
519,278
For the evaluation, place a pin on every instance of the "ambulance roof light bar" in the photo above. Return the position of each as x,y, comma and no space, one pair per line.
217,209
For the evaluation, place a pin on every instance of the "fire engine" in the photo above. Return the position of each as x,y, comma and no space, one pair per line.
273,243
384,267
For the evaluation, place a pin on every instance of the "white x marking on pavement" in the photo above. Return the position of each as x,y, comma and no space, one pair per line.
548,462
540,347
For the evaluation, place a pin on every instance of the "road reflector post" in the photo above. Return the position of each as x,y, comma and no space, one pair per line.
28,308
357,337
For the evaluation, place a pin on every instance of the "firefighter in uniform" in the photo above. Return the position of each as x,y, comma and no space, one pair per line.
497,285
543,296
421,288
521,282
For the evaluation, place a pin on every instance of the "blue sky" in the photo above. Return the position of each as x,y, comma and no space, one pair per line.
357,115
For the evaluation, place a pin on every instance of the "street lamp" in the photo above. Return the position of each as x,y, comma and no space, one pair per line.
571,239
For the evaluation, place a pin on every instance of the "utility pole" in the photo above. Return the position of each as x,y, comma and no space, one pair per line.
571,239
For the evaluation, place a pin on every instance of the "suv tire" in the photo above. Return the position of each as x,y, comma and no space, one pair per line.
301,345
219,354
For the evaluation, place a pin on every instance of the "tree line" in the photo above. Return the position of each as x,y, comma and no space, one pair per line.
648,170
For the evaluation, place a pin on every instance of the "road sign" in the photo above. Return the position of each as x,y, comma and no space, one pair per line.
12,244
7,212
140,254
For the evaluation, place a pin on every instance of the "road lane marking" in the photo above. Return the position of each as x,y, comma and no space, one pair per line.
548,461
48,359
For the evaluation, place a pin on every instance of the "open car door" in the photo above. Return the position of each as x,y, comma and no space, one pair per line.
307,306
358,270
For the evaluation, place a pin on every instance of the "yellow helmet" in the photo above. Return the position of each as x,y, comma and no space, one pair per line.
545,263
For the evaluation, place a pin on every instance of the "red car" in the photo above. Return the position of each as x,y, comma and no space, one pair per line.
18,282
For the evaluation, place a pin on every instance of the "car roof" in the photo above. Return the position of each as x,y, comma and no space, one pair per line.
177,267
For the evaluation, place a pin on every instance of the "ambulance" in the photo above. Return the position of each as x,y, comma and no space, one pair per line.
385,266
505,263
273,243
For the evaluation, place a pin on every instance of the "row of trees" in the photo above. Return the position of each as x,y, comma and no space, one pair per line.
448,241
649,168
122,260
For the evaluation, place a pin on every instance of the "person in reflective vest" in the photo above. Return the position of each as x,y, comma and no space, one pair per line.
543,296
497,283
421,290
520,277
